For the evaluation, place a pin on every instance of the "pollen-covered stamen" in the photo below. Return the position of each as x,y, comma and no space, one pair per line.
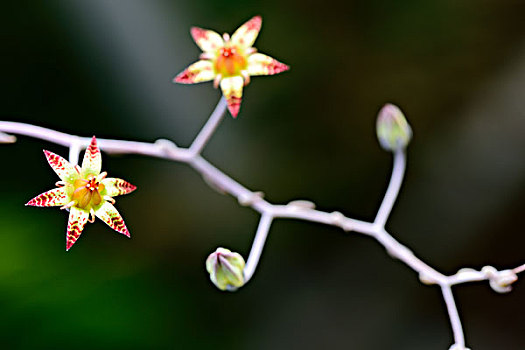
87,192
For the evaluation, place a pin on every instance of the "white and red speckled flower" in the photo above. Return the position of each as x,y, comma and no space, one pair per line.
230,62
86,192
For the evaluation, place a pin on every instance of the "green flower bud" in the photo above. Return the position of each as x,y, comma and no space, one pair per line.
392,128
225,268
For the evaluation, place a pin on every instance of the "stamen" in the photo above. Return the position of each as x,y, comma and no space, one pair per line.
206,56
250,50
217,80
101,176
68,205
246,77
91,216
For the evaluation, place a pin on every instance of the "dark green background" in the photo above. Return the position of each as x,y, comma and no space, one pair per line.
102,67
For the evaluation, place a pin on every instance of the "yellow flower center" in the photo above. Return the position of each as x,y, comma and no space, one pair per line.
230,61
87,192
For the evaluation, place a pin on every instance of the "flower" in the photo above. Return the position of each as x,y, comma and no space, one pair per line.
226,268
229,62
86,192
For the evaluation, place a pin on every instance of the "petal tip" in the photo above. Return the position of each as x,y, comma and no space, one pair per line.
47,153
279,68
93,143
234,105
197,33
254,23
195,30
182,78
185,77
234,110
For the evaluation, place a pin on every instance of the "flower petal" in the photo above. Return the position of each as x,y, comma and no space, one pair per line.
246,34
116,187
207,40
232,91
198,72
111,216
259,64
64,169
52,198
75,225
92,163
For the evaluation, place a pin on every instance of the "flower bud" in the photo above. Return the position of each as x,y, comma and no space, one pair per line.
225,268
392,128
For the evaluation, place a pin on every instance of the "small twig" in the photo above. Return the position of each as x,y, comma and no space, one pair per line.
209,128
519,269
455,321
74,153
258,244
394,186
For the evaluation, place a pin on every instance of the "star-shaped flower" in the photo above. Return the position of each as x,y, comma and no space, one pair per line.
230,62
86,192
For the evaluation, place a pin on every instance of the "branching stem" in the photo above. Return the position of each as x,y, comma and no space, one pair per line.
166,149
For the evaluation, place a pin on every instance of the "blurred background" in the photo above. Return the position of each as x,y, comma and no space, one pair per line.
104,68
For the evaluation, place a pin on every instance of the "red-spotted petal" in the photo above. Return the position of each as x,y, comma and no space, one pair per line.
75,225
232,91
116,187
92,163
52,198
207,40
198,72
111,216
246,34
259,64
64,169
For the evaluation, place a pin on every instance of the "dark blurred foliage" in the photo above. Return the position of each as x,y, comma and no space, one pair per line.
104,67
